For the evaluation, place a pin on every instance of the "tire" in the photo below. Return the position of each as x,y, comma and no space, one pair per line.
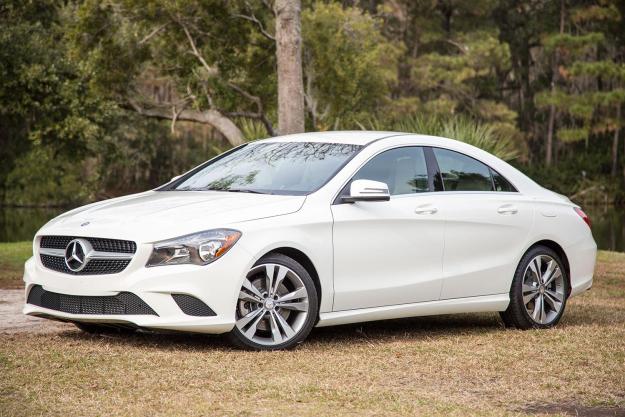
278,312
93,328
539,291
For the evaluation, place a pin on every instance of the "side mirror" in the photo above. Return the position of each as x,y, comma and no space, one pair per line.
175,178
367,190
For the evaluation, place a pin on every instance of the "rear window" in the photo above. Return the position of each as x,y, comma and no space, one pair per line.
461,172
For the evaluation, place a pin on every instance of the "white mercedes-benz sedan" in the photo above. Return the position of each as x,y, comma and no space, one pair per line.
277,236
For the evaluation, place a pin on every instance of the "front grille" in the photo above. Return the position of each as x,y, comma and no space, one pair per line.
192,306
99,266
122,303
94,267
99,244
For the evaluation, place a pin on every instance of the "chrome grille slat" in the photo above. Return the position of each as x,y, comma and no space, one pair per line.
109,256
94,267
99,244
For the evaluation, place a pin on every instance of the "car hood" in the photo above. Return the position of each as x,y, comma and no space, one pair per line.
157,215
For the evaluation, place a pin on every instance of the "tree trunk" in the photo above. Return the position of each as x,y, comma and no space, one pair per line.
615,141
550,128
552,108
289,58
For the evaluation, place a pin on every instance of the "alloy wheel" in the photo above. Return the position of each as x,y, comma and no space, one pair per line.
272,306
543,289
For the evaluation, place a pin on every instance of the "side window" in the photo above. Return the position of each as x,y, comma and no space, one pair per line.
403,169
461,172
501,184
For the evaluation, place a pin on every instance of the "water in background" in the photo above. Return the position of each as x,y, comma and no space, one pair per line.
16,224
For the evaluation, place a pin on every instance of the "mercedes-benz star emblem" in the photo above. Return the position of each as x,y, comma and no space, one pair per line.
76,254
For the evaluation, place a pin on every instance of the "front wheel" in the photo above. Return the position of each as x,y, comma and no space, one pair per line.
277,306
539,291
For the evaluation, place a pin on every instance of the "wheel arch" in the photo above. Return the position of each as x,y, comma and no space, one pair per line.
305,261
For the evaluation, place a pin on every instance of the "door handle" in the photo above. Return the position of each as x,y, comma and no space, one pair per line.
426,209
507,209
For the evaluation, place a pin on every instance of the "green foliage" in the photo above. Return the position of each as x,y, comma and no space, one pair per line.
607,69
31,182
349,65
45,106
463,129
574,44
253,129
487,72
459,72
136,47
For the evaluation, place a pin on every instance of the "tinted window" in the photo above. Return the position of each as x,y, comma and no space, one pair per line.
282,168
402,169
462,173
501,184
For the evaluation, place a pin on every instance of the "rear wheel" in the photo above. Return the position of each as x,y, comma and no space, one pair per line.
277,305
539,291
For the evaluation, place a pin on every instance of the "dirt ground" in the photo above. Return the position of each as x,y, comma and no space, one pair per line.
12,321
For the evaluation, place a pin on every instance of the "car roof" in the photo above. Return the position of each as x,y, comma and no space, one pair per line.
359,137
352,137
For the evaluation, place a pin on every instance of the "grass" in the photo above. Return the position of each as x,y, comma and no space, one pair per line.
12,258
447,365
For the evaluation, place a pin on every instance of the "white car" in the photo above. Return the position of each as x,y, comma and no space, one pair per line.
277,236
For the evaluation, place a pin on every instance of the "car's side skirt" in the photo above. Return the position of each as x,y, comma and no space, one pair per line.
484,303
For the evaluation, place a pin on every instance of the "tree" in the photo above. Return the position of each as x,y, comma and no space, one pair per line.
48,120
522,25
455,62
349,66
289,63
217,60
592,89
554,78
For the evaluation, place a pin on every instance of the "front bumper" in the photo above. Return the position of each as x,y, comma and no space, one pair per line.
217,285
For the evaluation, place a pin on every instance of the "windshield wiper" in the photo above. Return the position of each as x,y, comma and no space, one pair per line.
243,190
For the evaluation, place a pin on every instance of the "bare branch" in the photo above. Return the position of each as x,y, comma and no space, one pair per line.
153,33
268,125
175,116
463,48
252,18
211,71
260,112
269,5
247,114
247,95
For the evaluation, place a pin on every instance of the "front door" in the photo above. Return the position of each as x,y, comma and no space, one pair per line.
389,252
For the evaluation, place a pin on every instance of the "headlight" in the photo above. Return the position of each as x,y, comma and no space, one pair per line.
199,248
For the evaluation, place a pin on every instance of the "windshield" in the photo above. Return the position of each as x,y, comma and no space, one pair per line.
293,168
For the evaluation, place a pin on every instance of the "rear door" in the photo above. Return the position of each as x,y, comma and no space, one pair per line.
487,224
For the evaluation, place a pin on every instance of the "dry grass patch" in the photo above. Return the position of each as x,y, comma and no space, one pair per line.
448,365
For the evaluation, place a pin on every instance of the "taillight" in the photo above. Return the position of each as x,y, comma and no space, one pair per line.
583,215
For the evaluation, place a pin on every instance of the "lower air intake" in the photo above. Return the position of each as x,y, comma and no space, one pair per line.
122,303
191,306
